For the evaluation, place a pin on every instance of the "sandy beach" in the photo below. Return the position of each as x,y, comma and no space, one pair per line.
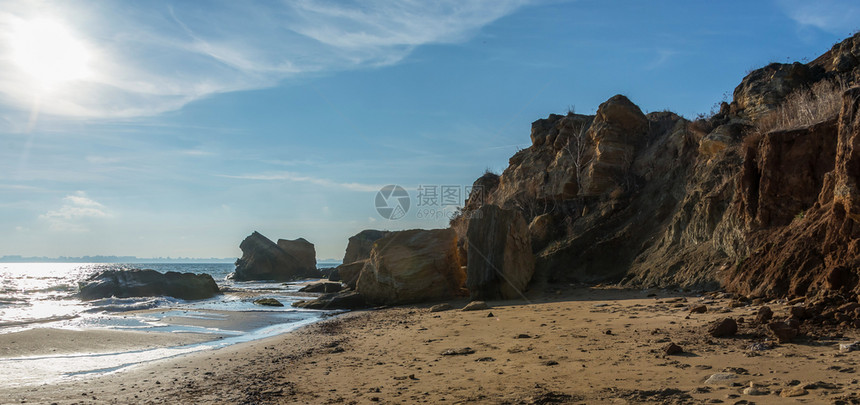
580,346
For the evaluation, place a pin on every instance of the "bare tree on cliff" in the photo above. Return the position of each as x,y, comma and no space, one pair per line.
577,148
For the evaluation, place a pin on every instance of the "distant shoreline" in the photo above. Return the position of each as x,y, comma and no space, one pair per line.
129,260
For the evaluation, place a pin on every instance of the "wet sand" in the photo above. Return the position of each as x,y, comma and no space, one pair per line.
46,341
582,346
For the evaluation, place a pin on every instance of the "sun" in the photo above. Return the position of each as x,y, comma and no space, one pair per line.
49,53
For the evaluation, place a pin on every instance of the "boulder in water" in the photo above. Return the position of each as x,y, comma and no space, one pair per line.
263,259
147,283
302,250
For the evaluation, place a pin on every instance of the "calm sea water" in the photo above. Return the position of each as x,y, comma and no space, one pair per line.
43,295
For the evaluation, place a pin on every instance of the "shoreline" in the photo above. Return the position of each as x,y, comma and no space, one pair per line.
39,342
586,345
74,354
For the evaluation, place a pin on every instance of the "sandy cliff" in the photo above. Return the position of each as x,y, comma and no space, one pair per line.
730,200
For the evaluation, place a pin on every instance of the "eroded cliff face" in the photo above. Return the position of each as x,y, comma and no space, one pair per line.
805,234
596,190
657,200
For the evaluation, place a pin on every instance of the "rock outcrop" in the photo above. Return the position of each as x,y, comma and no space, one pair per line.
500,261
359,246
657,200
598,193
412,266
262,259
302,250
614,134
147,283
764,89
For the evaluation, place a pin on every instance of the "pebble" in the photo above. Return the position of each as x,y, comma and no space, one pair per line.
753,390
849,347
458,352
441,307
476,306
672,349
795,391
721,378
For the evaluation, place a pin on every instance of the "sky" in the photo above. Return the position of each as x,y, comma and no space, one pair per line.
176,128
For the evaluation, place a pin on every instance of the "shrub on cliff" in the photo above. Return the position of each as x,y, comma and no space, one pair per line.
806,106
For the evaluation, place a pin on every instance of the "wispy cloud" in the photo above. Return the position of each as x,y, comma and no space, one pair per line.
76,210
102,160
20,187
196,152
835,16
148,58
290,176
662,56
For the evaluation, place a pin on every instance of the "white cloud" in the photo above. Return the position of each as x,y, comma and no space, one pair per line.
839,17
290,176
75,213
144,58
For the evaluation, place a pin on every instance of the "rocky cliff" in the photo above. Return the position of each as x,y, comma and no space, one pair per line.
744,199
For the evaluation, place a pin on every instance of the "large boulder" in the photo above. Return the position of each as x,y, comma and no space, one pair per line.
719,139
500,260
348,272
341,300
302,250
412,266
262,259
147,283
361,244
322,287
543,229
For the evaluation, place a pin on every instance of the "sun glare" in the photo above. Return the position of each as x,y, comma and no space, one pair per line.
48,52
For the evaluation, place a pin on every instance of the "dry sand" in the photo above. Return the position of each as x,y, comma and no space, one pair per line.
584,346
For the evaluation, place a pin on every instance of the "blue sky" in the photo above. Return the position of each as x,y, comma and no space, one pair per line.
167,128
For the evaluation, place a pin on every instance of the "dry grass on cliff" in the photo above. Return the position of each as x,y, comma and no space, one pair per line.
806,106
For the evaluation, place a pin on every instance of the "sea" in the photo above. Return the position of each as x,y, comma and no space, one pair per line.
43,295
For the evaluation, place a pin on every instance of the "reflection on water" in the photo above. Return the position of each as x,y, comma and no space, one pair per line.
42,295
31,292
